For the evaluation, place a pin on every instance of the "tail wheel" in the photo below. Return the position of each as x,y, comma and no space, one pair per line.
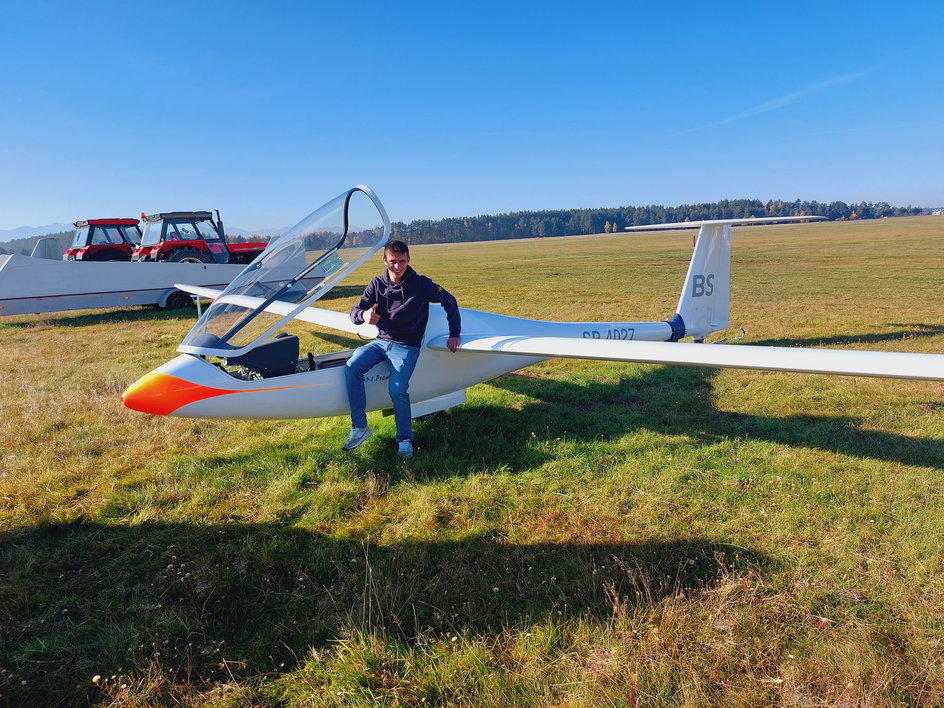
189,255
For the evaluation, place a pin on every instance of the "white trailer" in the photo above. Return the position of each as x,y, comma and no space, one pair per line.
31,285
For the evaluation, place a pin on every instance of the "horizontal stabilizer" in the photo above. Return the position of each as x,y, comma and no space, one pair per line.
846,362
722,222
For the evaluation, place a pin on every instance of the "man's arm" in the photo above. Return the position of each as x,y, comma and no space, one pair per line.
451,306
367,301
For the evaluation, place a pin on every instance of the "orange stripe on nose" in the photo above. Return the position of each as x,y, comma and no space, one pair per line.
162,394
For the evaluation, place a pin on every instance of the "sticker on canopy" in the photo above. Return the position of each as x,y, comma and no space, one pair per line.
332,264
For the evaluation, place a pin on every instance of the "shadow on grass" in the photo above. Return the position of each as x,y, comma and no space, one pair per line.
86,319
909,331
672,401
668,400
86,598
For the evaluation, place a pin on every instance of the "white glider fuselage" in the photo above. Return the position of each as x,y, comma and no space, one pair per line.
192,387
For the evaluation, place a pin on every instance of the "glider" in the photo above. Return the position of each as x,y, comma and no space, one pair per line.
238,362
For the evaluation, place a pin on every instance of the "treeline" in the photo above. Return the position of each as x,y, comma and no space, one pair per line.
567,222
24,246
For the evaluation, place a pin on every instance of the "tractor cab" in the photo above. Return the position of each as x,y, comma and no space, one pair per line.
103,240
191,237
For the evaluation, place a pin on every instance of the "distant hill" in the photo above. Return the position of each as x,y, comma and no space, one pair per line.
29,231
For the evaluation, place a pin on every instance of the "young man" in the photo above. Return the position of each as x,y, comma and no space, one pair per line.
397,301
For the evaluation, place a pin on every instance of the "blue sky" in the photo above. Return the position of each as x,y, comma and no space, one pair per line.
267,110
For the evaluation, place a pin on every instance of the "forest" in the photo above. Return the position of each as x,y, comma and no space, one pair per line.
24,246
567,222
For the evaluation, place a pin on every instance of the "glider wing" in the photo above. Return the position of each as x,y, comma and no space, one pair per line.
199,290
316,315
847,362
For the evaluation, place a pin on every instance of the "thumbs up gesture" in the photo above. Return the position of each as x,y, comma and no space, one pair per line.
371,316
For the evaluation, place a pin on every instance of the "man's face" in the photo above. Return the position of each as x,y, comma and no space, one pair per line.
396,265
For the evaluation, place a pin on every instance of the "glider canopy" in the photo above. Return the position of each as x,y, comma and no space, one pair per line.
297,268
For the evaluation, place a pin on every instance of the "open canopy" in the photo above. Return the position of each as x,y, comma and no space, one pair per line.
298,267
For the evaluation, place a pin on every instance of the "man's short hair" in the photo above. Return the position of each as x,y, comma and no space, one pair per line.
397,247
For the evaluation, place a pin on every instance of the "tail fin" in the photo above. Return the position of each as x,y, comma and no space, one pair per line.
703,305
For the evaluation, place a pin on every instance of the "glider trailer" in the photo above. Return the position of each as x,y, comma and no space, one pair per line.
238,362
105,265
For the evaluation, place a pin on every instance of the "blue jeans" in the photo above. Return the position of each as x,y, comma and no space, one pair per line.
402,359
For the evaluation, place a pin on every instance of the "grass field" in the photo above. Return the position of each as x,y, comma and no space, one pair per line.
578,534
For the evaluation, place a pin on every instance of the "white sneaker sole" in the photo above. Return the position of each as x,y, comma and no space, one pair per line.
356,443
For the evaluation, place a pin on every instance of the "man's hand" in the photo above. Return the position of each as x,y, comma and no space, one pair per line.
371,316
452,344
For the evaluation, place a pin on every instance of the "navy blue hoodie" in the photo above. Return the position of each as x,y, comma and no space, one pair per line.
404,307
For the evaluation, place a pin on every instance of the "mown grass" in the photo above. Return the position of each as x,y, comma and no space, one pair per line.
578,534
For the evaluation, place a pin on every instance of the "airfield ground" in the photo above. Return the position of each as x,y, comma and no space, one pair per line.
579,534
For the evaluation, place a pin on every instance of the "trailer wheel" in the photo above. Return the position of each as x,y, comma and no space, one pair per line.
178,300
189,255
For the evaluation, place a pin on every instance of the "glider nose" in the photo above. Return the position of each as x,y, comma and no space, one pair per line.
150,394
172,388
160,393
169,389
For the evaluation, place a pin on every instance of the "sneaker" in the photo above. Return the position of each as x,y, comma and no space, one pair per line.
406,449
356,437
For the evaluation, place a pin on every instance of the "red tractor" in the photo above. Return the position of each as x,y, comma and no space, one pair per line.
191,237
103,240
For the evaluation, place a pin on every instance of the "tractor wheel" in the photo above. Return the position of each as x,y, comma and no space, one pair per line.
178,300
189,255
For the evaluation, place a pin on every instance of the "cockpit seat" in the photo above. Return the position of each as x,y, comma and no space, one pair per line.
277,357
